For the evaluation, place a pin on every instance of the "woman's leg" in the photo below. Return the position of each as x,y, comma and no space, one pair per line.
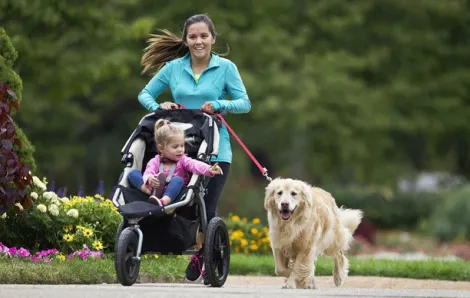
214,190
136,180
173,190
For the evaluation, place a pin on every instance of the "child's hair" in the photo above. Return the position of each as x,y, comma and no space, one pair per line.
164,131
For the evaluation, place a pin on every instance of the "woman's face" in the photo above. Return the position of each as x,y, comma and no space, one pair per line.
199,40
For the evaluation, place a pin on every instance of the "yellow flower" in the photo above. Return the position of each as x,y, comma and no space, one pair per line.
156,256
244,242
68,229
235,218
87,232
254,231
237,249
256,221
98,245
61,257
245,251
254,247
68,237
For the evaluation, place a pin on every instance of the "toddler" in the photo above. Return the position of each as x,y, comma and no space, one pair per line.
167,173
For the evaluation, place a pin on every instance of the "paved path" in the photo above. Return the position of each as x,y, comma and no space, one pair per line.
246,287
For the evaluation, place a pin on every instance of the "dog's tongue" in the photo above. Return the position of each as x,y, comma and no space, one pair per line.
285,214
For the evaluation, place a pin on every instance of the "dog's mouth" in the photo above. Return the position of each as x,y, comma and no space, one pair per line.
286,213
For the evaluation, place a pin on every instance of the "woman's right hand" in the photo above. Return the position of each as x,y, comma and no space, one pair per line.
168,105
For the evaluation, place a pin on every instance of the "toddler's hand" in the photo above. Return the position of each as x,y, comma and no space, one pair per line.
215,169
153,181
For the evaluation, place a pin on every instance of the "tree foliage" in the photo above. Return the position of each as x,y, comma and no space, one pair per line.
351,91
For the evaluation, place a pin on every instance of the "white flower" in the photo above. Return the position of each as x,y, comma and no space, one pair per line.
53,209
4,215
39,184
50,195
42,208
19,206
34,195
72,213
56,201
65,200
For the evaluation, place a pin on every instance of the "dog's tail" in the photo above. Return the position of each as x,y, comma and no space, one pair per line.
351,218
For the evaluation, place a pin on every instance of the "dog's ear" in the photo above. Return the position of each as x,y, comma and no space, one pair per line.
306,194
268,195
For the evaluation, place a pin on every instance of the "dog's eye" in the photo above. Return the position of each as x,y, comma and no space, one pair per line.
293,193
279,193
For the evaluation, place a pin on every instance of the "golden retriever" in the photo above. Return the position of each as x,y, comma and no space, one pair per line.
305,222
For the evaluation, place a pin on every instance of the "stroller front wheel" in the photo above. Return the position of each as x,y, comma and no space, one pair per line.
126,264
217,252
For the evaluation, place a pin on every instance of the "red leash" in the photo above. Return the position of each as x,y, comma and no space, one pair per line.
263,170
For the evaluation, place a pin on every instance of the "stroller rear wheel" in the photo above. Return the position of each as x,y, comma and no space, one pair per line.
217,252
126,264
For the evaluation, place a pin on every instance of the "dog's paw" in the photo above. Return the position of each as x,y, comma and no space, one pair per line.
338,279
311,284
290,284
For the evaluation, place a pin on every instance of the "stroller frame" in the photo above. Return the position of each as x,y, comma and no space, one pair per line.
139,214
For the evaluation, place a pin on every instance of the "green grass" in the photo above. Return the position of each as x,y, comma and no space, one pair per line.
171,269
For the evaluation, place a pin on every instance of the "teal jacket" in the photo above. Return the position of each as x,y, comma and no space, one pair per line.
219,79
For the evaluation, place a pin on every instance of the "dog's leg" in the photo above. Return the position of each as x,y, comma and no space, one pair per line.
303,272
281,263
341,268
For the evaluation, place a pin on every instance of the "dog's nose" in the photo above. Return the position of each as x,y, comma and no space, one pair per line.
285,205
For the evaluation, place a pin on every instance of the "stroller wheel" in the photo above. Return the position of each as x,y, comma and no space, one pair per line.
126,265
217,252
121,227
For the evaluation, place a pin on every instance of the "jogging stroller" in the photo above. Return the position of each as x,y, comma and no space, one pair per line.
147,228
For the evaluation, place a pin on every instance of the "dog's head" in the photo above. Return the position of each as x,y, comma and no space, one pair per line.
287,197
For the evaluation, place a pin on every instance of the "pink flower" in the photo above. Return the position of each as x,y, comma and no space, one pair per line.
70,257
23,252
47,260
12,251
35,259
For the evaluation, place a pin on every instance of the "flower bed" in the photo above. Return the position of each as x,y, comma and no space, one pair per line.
64,223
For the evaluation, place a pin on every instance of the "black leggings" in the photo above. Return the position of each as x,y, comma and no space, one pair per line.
214,189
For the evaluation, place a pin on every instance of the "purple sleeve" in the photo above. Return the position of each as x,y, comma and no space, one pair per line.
151,169
196,166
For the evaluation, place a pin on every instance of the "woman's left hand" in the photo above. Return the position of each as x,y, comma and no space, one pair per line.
208,107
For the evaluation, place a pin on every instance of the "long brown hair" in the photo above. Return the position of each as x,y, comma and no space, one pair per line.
167,46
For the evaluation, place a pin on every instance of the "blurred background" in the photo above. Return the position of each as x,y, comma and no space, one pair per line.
367,99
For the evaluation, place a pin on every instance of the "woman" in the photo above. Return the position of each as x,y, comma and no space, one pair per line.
198,79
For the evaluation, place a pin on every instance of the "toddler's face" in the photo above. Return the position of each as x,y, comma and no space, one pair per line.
174,149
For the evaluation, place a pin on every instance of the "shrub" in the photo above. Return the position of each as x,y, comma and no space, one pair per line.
450,220
14,175
8,56
62,223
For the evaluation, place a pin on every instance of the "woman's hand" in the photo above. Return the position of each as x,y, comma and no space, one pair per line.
215,169
153,181
208,107
167,105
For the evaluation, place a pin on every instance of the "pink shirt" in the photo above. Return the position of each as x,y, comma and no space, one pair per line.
184,166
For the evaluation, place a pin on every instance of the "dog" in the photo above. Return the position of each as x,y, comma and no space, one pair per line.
304,223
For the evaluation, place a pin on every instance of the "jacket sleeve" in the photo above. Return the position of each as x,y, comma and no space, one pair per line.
147,97
196,166
151,169
239,103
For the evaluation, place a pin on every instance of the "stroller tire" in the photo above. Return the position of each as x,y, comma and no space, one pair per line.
127,267
217,252
120,228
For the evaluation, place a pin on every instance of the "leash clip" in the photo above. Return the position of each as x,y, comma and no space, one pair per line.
265,174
